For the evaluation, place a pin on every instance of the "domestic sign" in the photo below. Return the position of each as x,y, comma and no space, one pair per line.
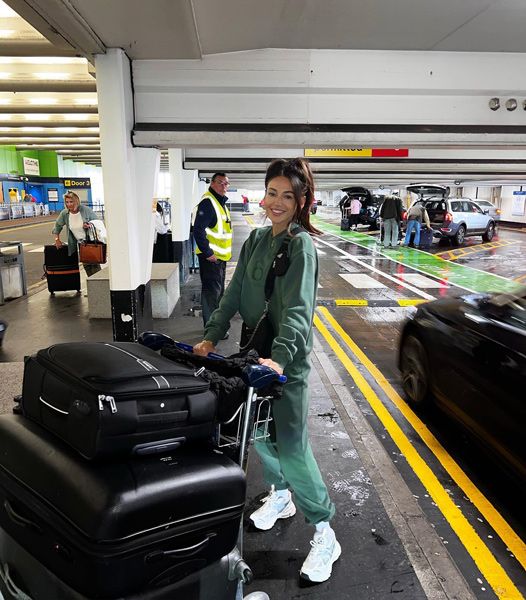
357,152
31,166
76,183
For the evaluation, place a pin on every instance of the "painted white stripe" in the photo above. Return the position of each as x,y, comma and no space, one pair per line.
420,281
375,270
362,281
39,249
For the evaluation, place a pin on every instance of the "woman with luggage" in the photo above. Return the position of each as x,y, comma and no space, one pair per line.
288,461
75,218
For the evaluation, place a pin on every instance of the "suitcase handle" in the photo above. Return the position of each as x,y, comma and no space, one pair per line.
19,519
179,552
15,592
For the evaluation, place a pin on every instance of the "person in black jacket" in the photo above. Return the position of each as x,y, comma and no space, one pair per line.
391,215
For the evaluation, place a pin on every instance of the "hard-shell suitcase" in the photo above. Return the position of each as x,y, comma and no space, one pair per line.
426,238
345,224
116,398
110,529
22,575
61,270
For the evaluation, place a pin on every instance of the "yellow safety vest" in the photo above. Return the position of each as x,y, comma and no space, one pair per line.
220,236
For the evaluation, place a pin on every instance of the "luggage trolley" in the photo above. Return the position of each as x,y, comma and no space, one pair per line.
249,423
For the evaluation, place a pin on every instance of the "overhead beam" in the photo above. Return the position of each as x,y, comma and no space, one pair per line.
47,86
38,47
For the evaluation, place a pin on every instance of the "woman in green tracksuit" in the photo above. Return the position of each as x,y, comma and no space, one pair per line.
288,461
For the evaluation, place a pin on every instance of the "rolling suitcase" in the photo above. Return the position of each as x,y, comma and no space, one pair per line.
21,575
114,529
426,238
345,224
116,398
3,327
61,270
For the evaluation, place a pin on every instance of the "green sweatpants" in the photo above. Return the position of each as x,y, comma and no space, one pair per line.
287,458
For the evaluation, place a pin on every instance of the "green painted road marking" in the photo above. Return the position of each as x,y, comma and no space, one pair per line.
462,276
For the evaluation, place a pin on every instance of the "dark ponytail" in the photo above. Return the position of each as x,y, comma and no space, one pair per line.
298,172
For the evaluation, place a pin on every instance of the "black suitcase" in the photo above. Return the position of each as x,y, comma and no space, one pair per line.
163,249
21,575
116,398
426,238
345,224
3,327
116,528
61,270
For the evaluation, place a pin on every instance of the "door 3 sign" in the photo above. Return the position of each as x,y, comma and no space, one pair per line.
77,183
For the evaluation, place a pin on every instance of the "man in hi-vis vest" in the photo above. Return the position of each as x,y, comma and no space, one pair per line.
213,237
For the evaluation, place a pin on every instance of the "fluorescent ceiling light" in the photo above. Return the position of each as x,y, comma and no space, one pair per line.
85,101
5,75
5,101
31,128
7,32
6,11
74,117
43,101
36,117
59,76
41,60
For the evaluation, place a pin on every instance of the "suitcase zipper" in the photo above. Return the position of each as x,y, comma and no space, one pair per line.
110,400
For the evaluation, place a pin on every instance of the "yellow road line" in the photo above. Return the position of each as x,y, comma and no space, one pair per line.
411,301
461,252
490,568
351,302
494,519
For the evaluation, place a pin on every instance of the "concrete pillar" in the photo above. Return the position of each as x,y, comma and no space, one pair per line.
183,197
129,178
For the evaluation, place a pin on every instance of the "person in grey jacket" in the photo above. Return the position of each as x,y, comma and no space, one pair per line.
75,218
391,215
415,216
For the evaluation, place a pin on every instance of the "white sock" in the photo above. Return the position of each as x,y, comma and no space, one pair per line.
322,526
282,493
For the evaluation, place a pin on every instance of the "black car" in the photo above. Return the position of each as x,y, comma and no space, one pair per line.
468,354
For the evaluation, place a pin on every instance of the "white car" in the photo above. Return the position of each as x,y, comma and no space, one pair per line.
486,205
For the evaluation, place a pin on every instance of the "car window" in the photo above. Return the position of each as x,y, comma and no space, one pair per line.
435,205
466,206
456,206
474,208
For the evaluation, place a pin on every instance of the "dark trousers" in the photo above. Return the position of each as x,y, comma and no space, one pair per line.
212,284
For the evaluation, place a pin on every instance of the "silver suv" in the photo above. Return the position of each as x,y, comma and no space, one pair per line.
453,218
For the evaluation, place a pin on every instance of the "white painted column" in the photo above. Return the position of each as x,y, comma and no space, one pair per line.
129,178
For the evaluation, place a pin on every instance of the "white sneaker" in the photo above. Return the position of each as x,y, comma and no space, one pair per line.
324,552
275,507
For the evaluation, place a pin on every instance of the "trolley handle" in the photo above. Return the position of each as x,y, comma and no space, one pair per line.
256,376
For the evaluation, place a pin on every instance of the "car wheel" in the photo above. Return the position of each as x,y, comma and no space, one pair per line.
460,235
415,371
489,233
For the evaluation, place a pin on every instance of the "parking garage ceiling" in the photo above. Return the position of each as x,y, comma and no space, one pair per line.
48,88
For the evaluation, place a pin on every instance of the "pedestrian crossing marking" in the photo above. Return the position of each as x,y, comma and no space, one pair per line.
362,281
420,280
39,249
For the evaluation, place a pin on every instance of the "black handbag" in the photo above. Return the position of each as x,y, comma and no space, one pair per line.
260,337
